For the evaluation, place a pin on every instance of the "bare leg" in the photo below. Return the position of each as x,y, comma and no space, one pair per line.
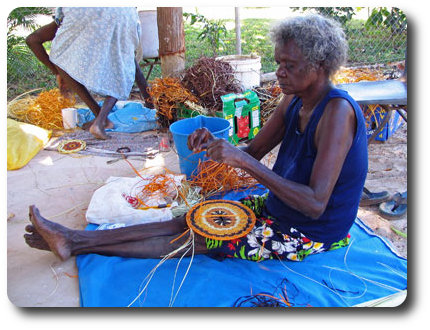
143,86
65,242
153,247
101,122
81,90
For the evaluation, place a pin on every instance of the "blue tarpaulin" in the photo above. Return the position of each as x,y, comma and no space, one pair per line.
132,117
367,269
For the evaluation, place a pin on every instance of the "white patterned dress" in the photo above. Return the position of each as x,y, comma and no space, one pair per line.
96,46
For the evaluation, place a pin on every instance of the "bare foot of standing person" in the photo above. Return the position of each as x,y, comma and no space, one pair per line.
101,122
98,130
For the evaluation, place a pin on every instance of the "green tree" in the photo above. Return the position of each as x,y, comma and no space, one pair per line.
20,59
212,30
395,19
340,14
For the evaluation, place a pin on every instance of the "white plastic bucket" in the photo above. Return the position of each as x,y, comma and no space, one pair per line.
246,68
70,117
149,35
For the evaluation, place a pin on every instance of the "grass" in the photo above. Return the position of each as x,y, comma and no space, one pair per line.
255,39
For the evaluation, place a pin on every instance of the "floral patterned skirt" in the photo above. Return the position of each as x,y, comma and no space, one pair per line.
266,241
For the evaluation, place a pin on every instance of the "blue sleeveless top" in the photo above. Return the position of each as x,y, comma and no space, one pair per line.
295,161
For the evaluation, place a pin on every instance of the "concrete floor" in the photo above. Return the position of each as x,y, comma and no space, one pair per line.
61,187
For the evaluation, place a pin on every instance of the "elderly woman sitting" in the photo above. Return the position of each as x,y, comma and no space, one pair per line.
314,186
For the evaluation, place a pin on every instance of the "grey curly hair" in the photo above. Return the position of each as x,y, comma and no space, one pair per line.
321,40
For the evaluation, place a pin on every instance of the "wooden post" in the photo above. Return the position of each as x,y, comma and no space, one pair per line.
238,34
171,38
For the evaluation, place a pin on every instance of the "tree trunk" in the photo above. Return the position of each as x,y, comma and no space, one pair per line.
171,38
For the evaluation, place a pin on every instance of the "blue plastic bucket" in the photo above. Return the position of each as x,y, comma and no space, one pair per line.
181,129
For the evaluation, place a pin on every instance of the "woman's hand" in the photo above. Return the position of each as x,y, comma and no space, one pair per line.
199,139
222,151
219,150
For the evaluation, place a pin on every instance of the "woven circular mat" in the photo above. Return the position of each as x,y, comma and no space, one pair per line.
221,219
69,146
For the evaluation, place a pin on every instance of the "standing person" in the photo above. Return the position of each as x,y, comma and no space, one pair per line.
314,186
93,49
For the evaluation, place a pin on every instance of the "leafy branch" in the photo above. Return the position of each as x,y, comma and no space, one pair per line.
213,30
395,19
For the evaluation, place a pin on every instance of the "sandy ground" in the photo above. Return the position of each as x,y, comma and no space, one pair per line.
388,171
61,186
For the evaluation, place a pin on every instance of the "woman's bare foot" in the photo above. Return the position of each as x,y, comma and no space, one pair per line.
98,131
109,124
34,239
56,236
86,126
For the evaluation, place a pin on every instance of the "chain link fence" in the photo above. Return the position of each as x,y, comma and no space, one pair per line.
376,36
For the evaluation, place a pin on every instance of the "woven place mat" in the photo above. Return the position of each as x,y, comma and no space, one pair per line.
132,144
221,219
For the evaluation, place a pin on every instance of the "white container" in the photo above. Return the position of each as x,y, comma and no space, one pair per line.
149,33
246,68
70,117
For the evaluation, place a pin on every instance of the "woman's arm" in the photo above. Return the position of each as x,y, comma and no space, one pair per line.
333,139
272,132
35,42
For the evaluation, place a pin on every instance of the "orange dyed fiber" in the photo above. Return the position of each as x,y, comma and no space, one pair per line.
369,111
213,177
166,94
45,110
159,185
350,75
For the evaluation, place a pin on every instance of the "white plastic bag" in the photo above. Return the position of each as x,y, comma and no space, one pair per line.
108,204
